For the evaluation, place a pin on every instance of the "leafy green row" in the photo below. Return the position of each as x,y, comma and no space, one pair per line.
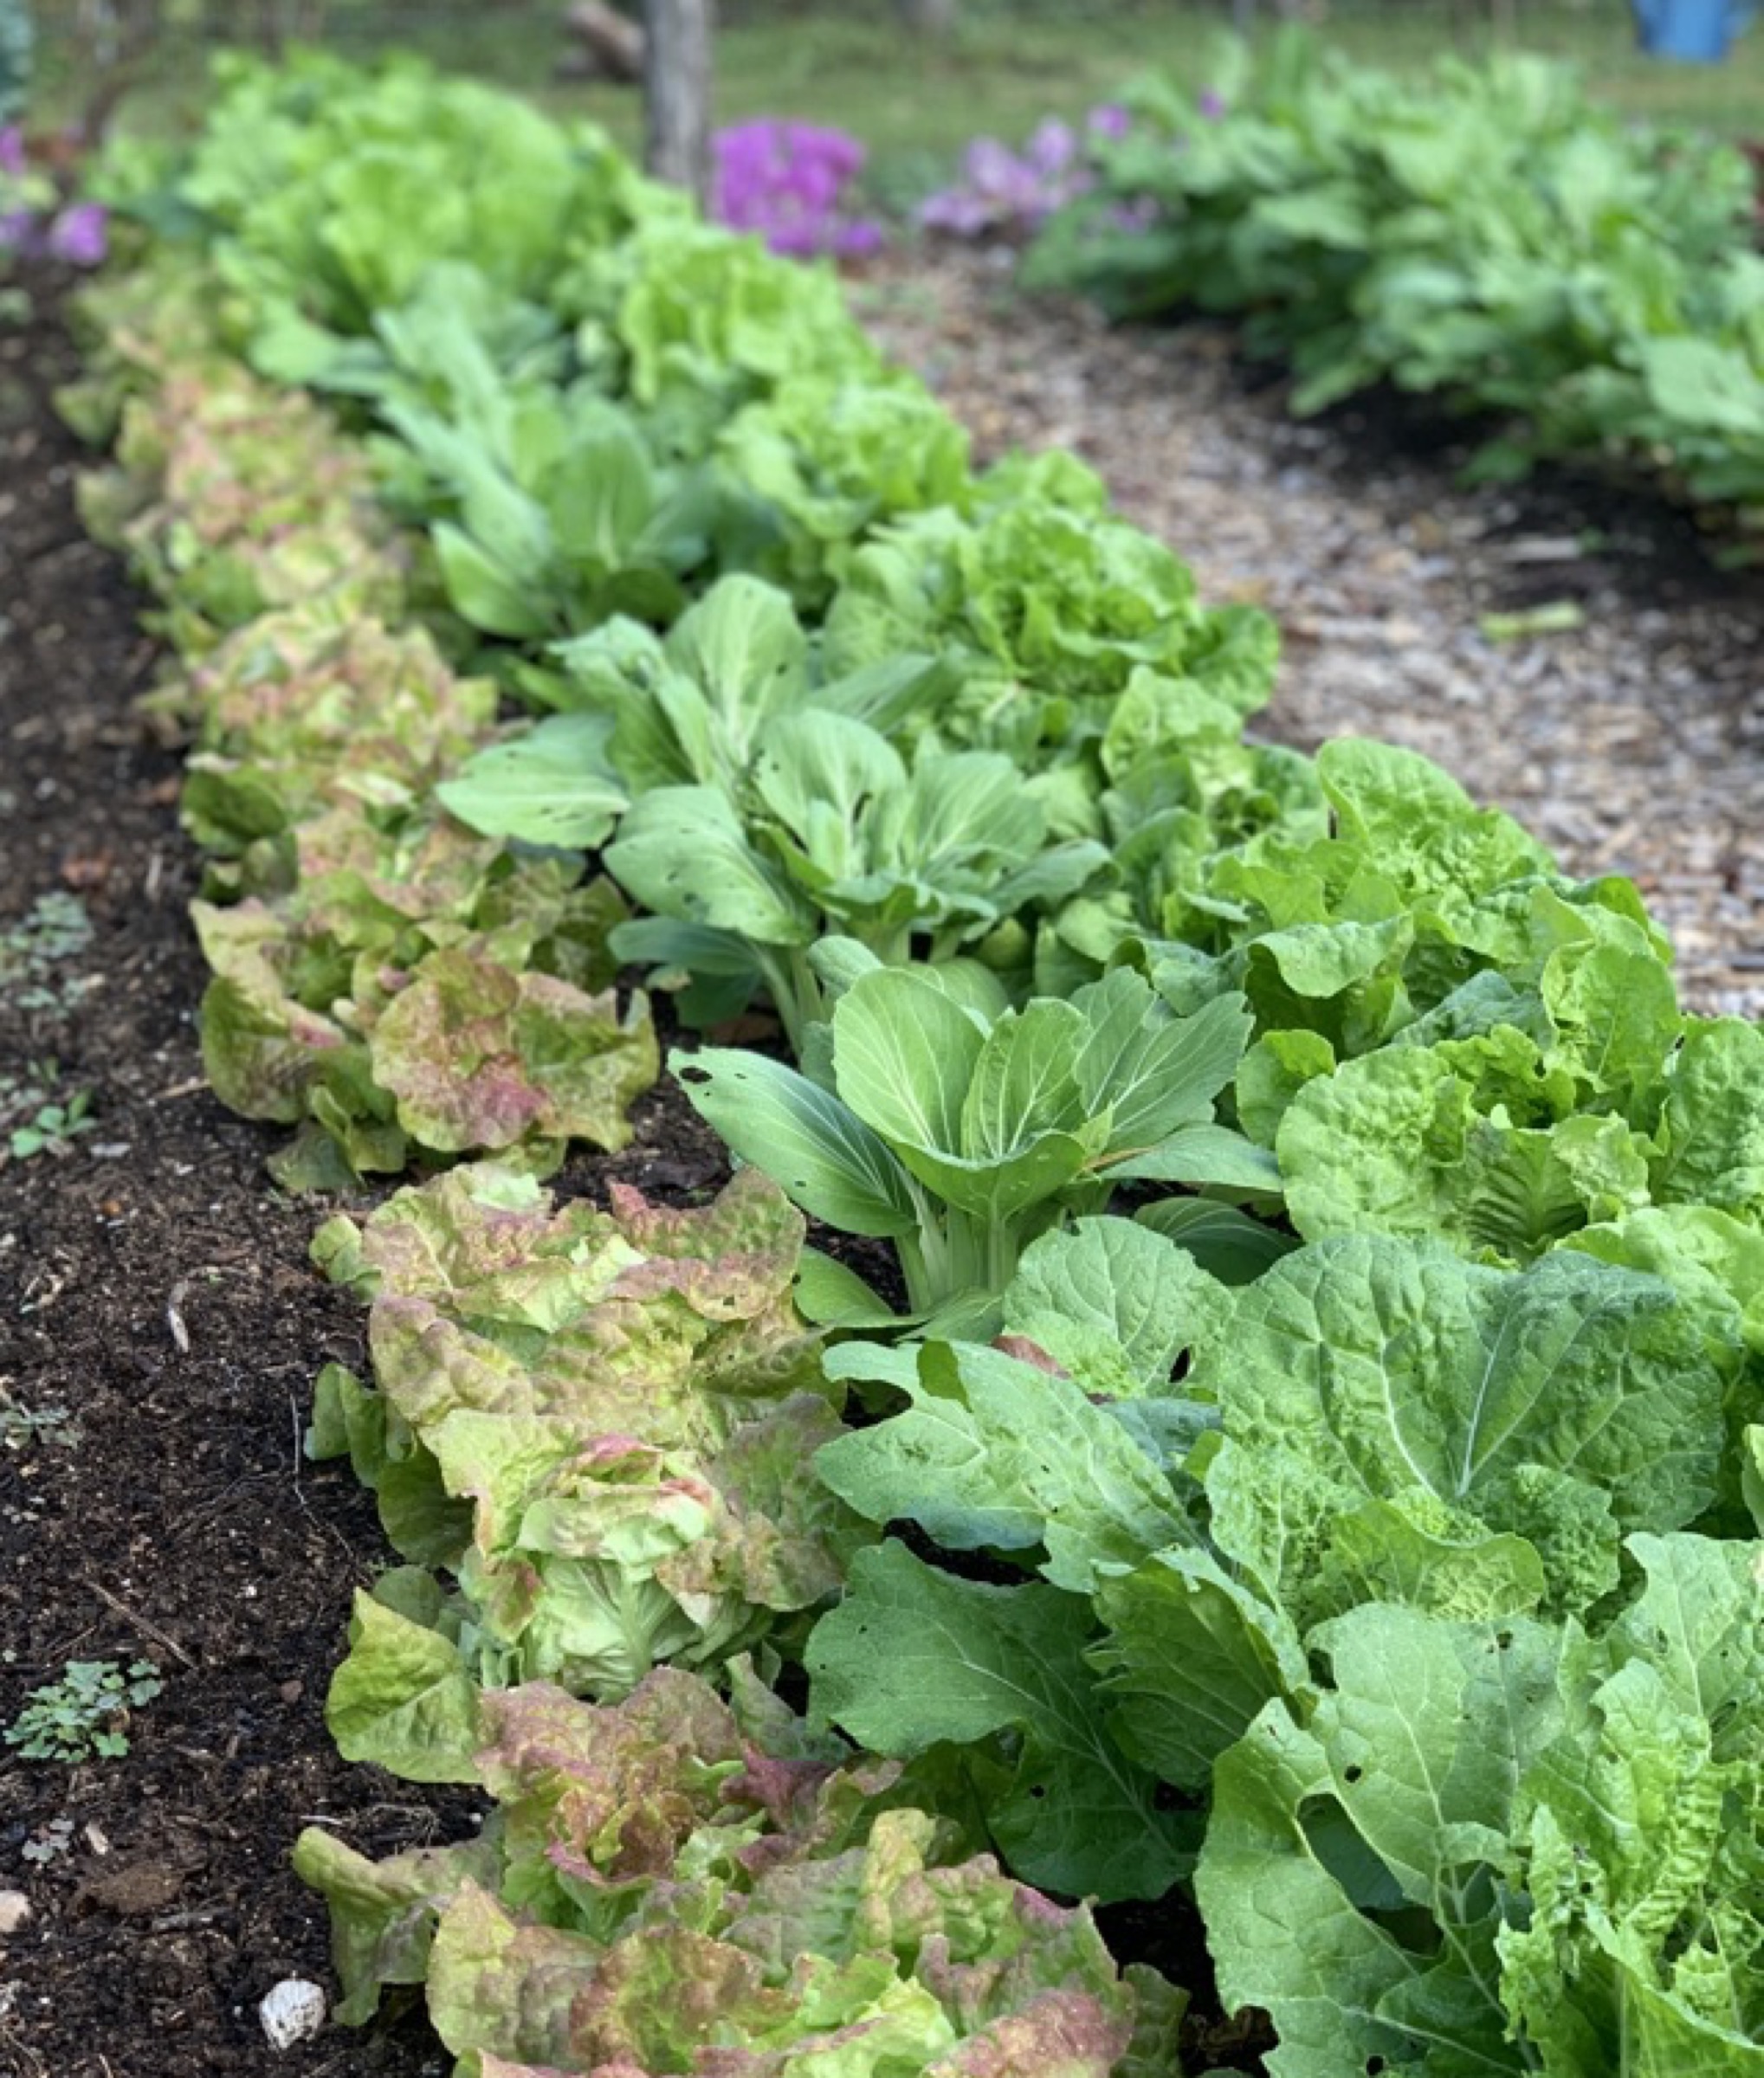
1486,234
362,941
596,1423
1402,1586
325,735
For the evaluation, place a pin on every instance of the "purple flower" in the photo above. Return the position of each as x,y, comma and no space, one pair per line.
12,151
862,235
1211,104
1008,194
1111,119
1051,150
79,234
786,181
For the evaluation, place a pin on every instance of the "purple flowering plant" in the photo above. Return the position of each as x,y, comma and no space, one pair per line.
1009,195
1006,194
791,184
33,221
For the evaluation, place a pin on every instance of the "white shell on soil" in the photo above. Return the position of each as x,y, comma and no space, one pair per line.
293,2011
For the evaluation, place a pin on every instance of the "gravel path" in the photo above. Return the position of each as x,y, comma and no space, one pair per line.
1633,744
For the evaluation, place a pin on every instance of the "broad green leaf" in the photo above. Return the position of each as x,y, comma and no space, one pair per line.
1703,384
1023,1084
1713,1127
1227,1243
549,786
912,1657
1153,1071
1205,1157
404,1699
684,852
905,1056
960,805
832,1294
743,645
382,1914
1563,1405
1400,1792
823,776
814,1147
995,1451
1113,1304
1190,1659
484,592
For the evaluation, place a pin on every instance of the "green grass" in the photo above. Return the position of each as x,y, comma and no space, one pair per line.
915,106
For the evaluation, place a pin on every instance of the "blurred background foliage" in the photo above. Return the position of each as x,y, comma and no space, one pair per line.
913,95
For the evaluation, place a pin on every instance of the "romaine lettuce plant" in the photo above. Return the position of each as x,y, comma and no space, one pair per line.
690,325
326,191
1048,610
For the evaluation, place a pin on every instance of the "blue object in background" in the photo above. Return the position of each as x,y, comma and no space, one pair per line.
1698,31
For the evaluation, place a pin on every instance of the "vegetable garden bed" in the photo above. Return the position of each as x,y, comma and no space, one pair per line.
157,1320
1341,1567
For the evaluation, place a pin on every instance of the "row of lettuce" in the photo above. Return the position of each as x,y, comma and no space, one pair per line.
1312,1263
1484,235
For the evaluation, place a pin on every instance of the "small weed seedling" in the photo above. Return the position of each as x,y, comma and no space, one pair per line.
81,1717
21,1428
35,1119
51,1128
56,928
49,1841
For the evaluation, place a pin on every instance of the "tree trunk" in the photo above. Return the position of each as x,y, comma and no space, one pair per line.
928,17
677,90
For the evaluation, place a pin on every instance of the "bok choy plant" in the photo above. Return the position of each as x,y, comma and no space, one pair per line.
766,809
960,1128
834,832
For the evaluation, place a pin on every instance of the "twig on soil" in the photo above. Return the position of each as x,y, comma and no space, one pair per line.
188,1088
143,1623
174,1319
